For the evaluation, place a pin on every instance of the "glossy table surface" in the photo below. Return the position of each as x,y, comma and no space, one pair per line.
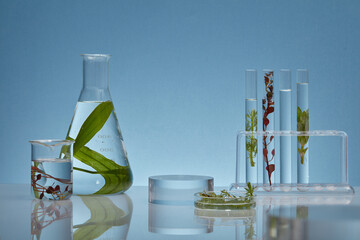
130,216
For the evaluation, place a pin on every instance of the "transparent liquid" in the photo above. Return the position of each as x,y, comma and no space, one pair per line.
285,141
270,147
251,156
109,143
303,103
302,95
51,178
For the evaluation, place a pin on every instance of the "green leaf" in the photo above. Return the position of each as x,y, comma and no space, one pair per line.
117,178
250,190
302,125
298,114
251,141
104,215
36,192
94,122
211,200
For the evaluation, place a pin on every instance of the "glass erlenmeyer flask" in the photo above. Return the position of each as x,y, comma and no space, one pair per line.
100,160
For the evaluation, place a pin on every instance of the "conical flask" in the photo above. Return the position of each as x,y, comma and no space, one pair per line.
100,163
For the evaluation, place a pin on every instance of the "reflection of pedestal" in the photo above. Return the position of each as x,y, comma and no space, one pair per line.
101,217
171,209
175,220
51,220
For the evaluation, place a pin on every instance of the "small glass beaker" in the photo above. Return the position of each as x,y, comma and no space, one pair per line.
51,169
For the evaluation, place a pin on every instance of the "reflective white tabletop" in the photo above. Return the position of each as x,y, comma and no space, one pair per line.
130,216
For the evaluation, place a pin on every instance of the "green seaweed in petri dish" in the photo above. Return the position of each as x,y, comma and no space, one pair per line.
225,200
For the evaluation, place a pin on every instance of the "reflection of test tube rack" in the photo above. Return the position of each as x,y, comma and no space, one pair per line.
291,206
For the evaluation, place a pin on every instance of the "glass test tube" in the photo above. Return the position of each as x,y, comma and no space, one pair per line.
268,141
251,125
285,124
302,87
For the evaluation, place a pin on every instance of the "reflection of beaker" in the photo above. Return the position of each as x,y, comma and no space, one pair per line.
51,220
100,217
100,160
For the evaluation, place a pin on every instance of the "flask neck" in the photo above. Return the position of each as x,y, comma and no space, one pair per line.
95,78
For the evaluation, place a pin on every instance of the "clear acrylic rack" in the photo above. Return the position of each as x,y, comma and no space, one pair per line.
324,170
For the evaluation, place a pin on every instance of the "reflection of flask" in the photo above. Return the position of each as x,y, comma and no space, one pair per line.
100,160
100,217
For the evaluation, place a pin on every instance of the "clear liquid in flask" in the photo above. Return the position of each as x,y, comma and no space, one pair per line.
100,166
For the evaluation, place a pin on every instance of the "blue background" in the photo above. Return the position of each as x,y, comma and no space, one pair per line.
176,76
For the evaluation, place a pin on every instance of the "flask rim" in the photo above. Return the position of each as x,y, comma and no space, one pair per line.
95,55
